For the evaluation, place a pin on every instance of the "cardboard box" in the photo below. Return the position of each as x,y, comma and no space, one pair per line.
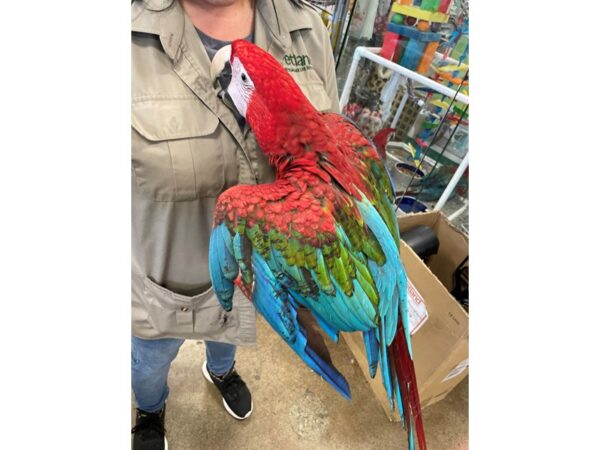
440,343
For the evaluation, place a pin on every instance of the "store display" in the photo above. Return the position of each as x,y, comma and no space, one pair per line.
447,72
368,121
369,93
429,118
408,115
410,39
456,32
457,143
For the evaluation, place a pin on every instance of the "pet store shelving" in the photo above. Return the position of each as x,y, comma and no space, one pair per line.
372,54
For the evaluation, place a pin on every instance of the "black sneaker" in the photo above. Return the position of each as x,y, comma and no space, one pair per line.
149,431
236,396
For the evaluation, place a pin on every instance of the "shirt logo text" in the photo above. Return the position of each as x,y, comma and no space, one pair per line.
297,63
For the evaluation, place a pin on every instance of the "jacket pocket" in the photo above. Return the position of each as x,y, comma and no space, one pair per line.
176,149
175,314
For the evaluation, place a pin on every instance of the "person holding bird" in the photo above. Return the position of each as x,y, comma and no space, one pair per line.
189,145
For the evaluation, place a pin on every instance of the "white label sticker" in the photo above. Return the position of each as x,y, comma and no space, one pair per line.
460,368
417,312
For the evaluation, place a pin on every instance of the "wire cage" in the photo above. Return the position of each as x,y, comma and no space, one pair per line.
426,106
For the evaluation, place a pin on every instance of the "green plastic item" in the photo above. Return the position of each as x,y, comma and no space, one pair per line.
398,19
460,48
430,5
459,110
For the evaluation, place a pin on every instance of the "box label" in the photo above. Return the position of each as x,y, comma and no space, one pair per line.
460,368
417,312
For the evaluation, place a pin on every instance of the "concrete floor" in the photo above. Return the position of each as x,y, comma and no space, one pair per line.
294,408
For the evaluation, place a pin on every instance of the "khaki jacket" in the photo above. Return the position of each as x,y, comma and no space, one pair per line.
187,148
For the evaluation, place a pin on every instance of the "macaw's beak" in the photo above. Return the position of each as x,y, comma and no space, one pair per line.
226,98
222,81
220,73
219,61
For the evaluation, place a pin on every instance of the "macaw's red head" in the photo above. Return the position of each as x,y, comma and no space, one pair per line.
267,96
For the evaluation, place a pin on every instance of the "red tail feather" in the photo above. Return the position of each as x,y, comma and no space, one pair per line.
407,380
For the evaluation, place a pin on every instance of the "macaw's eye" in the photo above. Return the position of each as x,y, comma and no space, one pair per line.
244,77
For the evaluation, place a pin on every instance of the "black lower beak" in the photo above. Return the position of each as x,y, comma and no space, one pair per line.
226,98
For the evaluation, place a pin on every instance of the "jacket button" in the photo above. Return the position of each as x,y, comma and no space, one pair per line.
184,309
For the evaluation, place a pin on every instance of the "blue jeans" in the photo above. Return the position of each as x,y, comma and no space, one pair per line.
150,363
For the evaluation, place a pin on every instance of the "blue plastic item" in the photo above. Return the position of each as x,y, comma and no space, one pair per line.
410,205
413,33
412,54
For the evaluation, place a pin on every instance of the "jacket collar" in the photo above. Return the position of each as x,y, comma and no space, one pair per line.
282,18
157,5
165,19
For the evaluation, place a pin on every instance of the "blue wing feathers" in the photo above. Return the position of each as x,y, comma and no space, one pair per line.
331,375
372,351
391,269
222,266
279,309
298,300
277,296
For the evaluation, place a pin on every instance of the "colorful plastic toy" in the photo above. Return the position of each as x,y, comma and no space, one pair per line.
411,39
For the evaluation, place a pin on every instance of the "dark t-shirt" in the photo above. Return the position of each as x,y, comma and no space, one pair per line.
212,46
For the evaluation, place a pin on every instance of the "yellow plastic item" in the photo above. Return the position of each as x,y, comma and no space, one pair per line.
414,11
411,150
452,68
439,103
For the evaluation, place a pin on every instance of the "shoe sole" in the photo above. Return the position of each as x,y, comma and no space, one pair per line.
227,408
166,444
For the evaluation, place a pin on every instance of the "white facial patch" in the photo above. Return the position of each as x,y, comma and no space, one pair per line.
241,87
